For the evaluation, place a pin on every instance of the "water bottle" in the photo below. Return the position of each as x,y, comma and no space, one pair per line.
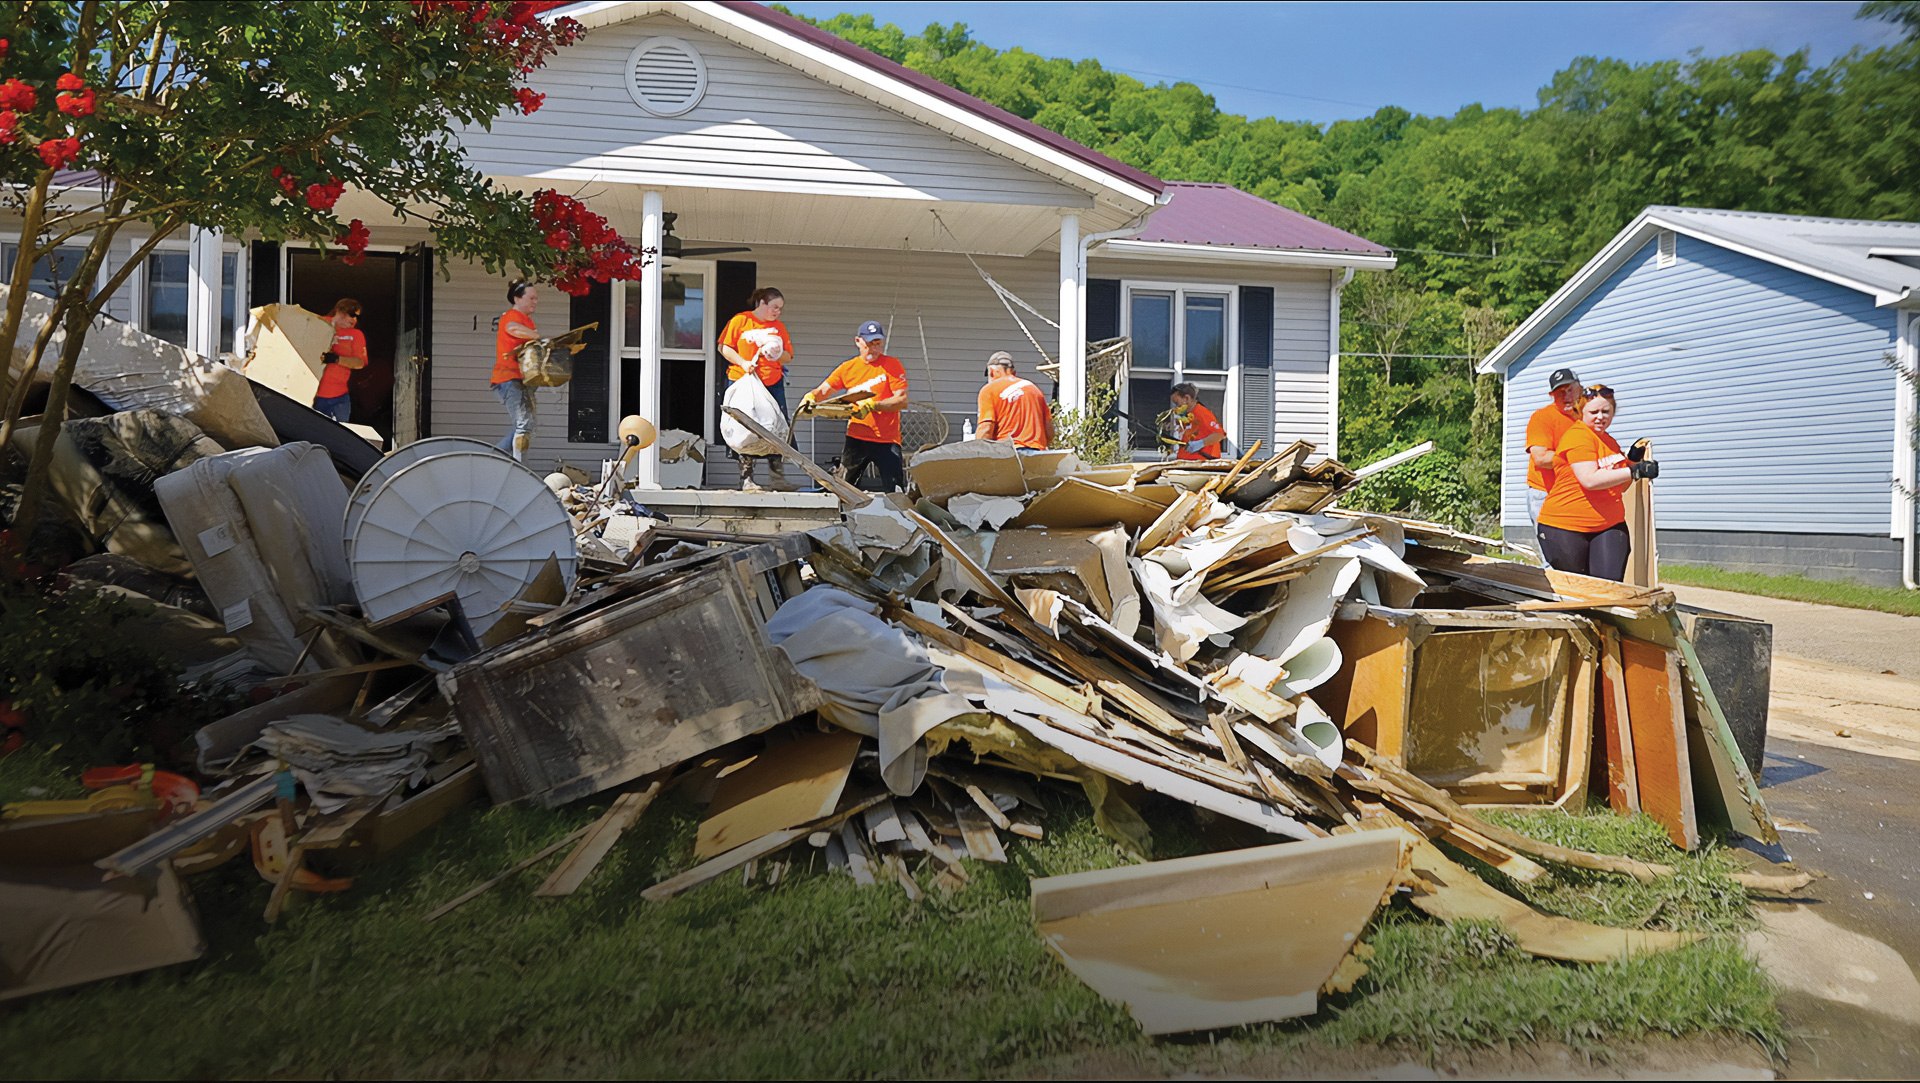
966,430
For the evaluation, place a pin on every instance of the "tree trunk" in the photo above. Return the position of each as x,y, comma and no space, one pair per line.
32,217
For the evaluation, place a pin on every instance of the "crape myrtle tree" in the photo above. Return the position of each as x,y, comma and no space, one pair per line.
256,118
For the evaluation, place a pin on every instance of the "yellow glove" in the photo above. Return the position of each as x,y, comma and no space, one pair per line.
863,411
810,398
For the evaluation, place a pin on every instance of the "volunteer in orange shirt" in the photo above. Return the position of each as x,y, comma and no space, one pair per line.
1544,430
1012,408
1197,431
873,433
756,340
346,354
515,329
1583,525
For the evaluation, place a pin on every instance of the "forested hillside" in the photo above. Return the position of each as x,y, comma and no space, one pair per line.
1488,209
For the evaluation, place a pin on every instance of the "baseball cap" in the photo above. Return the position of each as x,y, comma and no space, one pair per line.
1000,357
1560,378
870,331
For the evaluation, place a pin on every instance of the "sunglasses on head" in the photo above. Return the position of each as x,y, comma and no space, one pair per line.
1597,390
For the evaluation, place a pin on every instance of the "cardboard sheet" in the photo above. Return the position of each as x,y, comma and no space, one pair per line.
1087,565
1078,503
784,786
1219,940
64,927
287,345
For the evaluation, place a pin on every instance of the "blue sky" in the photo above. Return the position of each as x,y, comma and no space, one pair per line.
1333,61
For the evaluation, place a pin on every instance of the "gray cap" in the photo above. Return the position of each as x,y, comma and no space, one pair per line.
1561,378
1001,357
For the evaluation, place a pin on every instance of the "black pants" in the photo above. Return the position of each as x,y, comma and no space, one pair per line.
1602,554
884,458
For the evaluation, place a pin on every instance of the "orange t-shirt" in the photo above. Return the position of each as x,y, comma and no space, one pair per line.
1544,429
334,377
1018,410
1199,425
505,365
885,378
733,336
1571,505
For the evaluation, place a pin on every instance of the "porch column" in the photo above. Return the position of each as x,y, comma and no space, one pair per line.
203,291
646,467
1073,331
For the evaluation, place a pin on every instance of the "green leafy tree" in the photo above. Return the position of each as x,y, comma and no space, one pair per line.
259,117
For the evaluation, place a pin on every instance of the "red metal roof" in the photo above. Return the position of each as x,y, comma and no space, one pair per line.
816,36
1220,214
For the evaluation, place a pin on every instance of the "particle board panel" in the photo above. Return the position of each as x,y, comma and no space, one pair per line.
1657,720
1368,697
785,785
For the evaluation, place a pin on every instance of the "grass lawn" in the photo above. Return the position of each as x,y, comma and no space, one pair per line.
816,976
1797,588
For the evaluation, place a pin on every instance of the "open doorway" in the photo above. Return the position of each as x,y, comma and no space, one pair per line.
315,282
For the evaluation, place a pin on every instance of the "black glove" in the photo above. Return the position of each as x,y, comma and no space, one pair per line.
1638,450
1648,468
329,358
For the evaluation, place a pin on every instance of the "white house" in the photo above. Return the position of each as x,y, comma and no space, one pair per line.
757,150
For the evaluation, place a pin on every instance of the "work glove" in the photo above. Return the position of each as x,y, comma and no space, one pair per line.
1638,450
1197,446
810,398
863,411
329,358
1646,468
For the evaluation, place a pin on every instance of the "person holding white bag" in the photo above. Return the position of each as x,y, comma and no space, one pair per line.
756,343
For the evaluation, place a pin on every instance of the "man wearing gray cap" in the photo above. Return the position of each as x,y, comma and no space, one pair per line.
1544,430
1013,409
873,432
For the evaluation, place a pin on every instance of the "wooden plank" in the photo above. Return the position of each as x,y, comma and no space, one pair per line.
1505,858
859,859
1724,770
1578,750
758,848
1657,720
1162,529
785,785
987,807
468,896
1623,782
1368,697
977,831
848,495
586,857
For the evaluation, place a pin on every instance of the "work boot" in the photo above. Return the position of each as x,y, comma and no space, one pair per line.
747,484
777,476
520,445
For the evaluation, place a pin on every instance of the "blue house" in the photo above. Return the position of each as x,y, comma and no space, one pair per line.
1763,355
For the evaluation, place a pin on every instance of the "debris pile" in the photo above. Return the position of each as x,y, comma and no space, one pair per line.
888,696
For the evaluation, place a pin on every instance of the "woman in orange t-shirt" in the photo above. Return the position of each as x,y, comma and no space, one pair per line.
1583,524
345,354
515,329
756,341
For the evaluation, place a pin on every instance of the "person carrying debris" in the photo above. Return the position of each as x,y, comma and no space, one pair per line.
1197,433
873,433
1012,408
1583,525
756,341
516,328
345,355
1544,430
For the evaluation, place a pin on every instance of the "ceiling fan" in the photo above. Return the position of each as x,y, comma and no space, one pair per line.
670,245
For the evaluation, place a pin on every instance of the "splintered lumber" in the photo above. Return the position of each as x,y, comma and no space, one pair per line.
1447,891
1623,782
1403,783
758,848
1219,940
792,784
468,896
1657,719
848,495
983,843
598,843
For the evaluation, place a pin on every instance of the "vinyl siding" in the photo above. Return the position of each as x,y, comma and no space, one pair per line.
1763,390
760,126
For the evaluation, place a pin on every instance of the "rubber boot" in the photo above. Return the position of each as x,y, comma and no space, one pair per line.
777,476
521,442
747,484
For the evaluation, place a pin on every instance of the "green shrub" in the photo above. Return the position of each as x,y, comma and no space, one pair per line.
1433,487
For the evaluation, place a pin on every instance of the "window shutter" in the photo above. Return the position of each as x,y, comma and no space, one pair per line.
1669,254
587,405
1256,366
1103,308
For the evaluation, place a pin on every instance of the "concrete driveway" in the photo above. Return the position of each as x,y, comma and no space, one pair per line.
1842,779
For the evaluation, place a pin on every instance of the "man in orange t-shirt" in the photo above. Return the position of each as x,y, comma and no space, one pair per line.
1012,408
1197,432
1544,430
515,329
873,433
347,353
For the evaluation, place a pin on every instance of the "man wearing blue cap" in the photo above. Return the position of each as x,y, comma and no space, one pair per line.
873,433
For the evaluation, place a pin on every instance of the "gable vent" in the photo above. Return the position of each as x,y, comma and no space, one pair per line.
666,76
1667,253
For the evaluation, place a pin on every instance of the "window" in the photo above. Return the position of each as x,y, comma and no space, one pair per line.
51,272
229,298
687,333
683,303
1179,335
166,296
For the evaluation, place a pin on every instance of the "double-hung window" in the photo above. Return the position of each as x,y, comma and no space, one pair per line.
1181,334
165,287
687,332
51,272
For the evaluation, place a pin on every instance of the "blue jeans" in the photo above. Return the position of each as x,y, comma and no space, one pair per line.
339,407
518,398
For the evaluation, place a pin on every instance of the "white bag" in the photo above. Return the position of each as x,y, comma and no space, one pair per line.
751,397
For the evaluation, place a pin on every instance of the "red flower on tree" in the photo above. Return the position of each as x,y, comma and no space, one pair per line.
9,126
18,96
78,105
528,100
355,239
60,153
322,197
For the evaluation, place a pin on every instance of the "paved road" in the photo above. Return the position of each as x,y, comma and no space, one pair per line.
1859,638
1842,777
